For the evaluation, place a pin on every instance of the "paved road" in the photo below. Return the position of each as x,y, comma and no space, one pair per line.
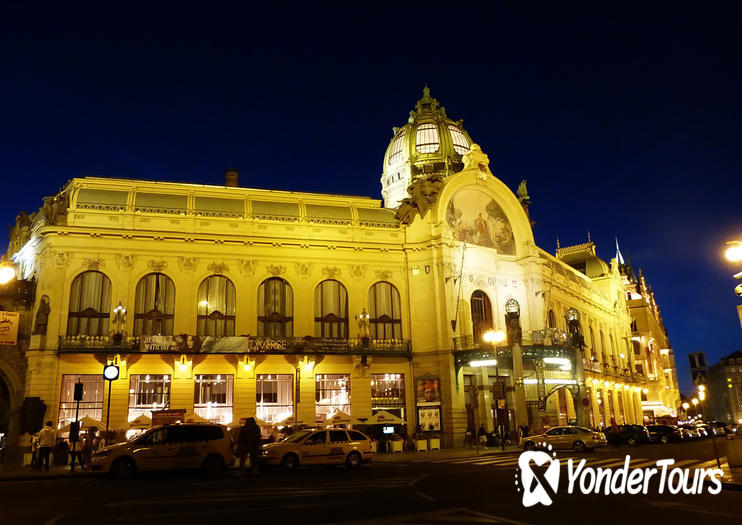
462,490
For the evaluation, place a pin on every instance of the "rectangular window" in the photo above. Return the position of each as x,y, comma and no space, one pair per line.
274,400
92,397
212,397
332,395
147,393
387,393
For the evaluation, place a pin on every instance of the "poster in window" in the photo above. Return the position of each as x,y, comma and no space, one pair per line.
428,391
9,328
429,418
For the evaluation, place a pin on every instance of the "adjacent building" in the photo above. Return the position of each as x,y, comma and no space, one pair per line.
291,306
725,389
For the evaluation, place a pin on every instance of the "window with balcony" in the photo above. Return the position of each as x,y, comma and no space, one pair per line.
212,397
387,393
154,305
92,397
385,311
216,307
331,310
274,397
90,305
275,309
481,315
332,395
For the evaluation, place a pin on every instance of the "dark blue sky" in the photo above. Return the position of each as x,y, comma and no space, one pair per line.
625,121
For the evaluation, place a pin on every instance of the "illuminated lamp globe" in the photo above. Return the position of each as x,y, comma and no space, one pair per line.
110,372
572,315
694,401
7,273
490,336
685,406
734,252
512,307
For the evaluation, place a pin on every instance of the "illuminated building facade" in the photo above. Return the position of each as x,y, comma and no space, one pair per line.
232,302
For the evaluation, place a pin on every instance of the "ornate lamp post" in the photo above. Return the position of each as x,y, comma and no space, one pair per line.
110,374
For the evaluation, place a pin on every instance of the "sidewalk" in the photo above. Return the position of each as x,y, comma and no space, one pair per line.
16,473
446,453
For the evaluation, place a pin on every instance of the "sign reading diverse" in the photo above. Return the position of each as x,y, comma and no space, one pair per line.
9,328
193,344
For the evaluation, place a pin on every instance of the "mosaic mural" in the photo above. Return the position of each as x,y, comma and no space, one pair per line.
475,218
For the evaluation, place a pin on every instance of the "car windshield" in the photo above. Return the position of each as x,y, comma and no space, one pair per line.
297,436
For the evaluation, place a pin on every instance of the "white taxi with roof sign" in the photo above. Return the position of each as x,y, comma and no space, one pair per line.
332,446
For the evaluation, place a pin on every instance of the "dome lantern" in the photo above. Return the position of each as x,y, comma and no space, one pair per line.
429,143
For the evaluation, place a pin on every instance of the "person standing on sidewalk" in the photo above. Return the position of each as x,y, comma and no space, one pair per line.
248,444
47,440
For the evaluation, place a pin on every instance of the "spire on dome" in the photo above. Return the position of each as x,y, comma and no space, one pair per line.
619,256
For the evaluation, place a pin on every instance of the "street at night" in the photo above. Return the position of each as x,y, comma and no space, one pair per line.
370,262
470,489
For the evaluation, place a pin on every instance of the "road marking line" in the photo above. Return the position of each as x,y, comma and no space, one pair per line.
425,496
52,521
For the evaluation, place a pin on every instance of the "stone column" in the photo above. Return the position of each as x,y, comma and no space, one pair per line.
521,414
581,408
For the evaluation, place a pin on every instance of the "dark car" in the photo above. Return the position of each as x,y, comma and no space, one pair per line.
706,430
631,435
721,428
664,433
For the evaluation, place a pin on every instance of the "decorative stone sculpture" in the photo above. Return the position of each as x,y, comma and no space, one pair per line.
423,192
42,316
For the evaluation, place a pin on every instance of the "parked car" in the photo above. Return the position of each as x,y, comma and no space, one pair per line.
722,428
631,435
191,446
333,446
691,432
664,433
575,438
705,430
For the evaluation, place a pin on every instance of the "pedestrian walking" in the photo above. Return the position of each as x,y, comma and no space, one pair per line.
248,444
88,447
47,440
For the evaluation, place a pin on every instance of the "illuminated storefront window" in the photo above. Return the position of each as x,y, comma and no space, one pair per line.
427,138
331,310
212,397
275,309
92,397
90,305
387,393
385,312
148,393
332,394
274,400
460,144
154,306
216,307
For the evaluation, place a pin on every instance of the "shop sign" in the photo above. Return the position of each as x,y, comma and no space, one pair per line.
9,328
168,417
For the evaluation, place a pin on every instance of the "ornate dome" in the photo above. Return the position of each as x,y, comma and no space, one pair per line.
429,143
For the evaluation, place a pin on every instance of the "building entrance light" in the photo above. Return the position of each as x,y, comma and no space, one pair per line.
493,337
483,362
7,272
110,372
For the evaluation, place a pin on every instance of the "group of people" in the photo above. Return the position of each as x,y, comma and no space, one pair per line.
499,437
47,448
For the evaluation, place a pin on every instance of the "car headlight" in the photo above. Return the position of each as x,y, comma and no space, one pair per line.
265,452
102,453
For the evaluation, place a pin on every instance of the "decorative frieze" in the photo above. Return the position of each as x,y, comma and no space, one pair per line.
275,269
93,264
218,268
187,264
157,266
331,272
383,275
357,271
124,262
248,266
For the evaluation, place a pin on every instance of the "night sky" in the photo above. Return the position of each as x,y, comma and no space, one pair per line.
625,122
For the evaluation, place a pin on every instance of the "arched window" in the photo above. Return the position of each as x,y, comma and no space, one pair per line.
216,307
154,306
385,311
275,309
331,310
481,314
552,319
90,304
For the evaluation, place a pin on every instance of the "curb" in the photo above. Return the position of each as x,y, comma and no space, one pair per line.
31,477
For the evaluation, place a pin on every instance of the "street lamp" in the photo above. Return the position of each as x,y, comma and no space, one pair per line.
110,374
734,252
7,272
686,406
